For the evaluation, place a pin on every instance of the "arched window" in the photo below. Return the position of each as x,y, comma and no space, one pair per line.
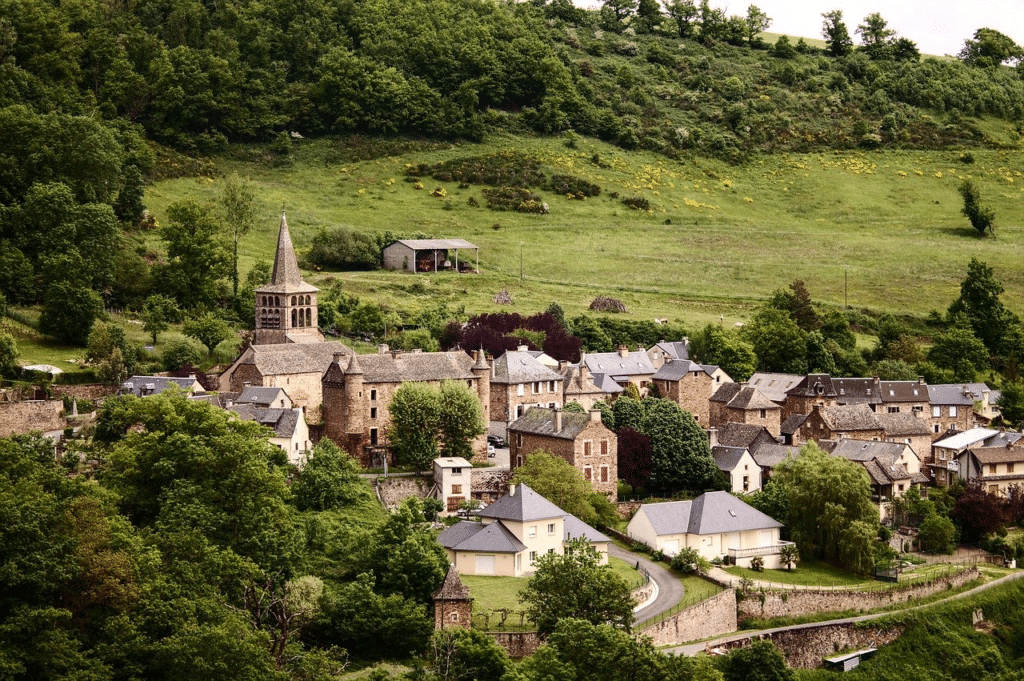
277,302
294,324
309,317
309,300
264,301
293,300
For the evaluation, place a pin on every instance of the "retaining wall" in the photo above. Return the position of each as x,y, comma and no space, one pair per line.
516,643
806,648
23,417
713,617
794,603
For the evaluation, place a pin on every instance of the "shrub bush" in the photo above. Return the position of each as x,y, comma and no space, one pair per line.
504,169
572,186
514,198
637,203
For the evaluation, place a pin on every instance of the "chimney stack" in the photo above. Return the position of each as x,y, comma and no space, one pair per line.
558,419
623,351
512,490
523,348
595,416
713,436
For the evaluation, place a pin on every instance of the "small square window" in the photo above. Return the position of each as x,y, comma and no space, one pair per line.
550,551
533,556
533,532
551,528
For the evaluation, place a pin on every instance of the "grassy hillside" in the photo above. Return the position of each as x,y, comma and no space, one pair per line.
717,240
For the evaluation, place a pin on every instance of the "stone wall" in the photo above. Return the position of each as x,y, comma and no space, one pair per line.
805,648
23,417
712,617
393,491
626,509
85,394
643,594
793,603
517,644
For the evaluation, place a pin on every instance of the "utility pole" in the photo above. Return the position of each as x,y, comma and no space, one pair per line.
520,262
846,286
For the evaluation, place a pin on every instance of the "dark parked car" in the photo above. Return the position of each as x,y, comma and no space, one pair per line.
496,441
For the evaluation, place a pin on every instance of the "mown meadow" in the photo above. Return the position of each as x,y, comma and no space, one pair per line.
881,229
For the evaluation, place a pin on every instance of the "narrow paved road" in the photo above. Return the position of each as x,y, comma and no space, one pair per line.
694,648
670,590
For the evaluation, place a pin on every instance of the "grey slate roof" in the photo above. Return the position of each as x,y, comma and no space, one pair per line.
710,513
863,450
259,396
750,398
746,435
774,386
521,367
726,392
904,391
677,369
635,363
416,366
606,384
154,385
903,424
282,421
577,382
574,528
541,421
792,423
770,456
470,536
814,385
858,390
292,358
452,588
521,506
675,349
850,417
727,458
950,394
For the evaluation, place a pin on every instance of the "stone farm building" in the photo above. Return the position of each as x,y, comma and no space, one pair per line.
431,255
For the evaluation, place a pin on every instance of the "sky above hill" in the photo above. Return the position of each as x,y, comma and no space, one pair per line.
937,26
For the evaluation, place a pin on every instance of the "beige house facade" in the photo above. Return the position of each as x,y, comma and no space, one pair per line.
513,533
715,524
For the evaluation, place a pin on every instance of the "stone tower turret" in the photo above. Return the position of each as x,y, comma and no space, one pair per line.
482,370
286,308
452,604
343,400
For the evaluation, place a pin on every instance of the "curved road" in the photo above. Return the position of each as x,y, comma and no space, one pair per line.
694,648
670,590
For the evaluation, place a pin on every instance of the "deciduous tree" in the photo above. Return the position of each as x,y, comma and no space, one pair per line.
238,201
207,328
836,35
559,482
982,217
680,451
726,349
413,432
460,419
329,479
575,585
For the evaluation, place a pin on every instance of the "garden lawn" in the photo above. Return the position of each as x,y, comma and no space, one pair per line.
806,573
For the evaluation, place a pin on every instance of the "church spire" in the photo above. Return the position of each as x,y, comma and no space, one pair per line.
286,267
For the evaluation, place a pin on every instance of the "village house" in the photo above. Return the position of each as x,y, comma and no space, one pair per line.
739,403
519,381
264,398
715,524
662,352
944,461
357,393
859,422
623,366
290,431
453,606
952,408
773,386
579,386
985,407
768,456
996,468
739,466
582,440
894,468
453,485
513,533
689,385
747,435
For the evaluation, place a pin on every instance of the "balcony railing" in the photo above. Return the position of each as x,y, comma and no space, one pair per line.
772,550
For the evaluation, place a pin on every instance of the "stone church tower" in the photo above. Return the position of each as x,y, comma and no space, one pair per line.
286,310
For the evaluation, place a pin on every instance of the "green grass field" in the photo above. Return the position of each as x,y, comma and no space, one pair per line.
806,573
890,220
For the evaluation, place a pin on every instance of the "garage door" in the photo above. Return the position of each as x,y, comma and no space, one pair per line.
672,547
485,565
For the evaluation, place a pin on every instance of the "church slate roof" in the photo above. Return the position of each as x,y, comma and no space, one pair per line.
293,358
286,277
